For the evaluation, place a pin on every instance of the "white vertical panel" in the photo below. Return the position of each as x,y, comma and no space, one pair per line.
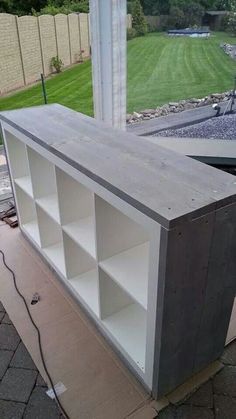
108,41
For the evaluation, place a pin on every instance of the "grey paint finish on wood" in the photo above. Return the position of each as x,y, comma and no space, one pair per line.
164,185
196,206
199,289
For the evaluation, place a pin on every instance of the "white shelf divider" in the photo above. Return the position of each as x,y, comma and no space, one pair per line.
83,232
130,270
32,229
44,184
25,184
55,253
124,319
76,204
81,271
50,205
27,214
128,327
51,239
86,285
115,231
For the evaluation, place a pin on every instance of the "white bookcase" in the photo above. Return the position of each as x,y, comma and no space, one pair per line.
98,251
138,235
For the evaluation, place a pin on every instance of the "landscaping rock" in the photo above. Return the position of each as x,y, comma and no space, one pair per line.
229,50
175,107
222,127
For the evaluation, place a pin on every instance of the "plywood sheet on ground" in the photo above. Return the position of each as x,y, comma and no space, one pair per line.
98,385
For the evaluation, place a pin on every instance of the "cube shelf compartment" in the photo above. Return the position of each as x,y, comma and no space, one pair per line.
129,228
25,184
44,184
86,285
123,318
18,154
27,212
130,270
77,211
51,239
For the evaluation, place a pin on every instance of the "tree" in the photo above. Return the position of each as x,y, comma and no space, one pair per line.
139,21
176,18
194,13
232,19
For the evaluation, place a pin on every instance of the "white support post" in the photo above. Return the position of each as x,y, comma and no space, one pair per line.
108,42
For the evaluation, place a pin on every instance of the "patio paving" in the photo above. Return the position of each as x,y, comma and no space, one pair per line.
22,389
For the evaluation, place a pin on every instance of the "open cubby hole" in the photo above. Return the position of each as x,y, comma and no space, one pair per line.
44,184
51,239
18,154
82,273
76,204
123,318
123,250
27,214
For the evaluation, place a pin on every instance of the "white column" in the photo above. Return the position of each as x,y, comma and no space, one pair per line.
108,42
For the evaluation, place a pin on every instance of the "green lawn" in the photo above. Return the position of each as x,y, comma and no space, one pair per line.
160,69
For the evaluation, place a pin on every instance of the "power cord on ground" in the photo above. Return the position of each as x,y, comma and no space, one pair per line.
38,333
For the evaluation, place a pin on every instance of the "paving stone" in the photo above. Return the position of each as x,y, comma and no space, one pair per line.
168,413
229,355
11,410
17,384
202,397
193,412
2,309
22,358
5,358
6,319
40,406
225,382
40,381
225,407
2,314
9,338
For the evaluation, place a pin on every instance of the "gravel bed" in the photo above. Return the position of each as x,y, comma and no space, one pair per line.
223,127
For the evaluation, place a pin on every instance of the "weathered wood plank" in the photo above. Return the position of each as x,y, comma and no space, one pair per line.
164,185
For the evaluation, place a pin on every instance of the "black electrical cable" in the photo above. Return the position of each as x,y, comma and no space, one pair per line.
38,333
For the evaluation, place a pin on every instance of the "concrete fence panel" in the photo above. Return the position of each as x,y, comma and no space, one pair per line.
11,72
84,34
30,48
48,41
74,33
129,21
62,35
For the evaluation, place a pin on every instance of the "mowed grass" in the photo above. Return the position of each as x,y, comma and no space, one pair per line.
160,69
